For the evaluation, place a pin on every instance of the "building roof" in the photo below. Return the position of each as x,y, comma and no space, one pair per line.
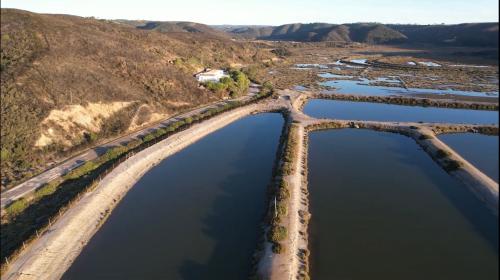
213,72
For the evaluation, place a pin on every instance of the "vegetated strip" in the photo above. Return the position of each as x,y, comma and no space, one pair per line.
482,129
272,190
283,195
26,219
480,184
410,101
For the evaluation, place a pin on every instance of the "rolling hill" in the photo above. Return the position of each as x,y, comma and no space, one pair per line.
67,81
319,32
175,26
467,34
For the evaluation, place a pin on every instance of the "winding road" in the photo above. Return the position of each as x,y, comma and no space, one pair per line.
28,187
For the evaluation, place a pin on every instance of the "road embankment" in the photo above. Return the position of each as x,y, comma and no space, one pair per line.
49,256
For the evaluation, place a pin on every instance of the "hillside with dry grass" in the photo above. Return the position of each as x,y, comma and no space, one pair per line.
175,27
69,81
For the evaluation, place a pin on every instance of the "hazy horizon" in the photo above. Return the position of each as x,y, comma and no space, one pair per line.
223,12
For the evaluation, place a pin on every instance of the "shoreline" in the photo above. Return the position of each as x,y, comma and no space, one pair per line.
49,256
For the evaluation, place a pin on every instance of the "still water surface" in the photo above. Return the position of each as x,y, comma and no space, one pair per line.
195,215
322,108
363,87
478,149
382,209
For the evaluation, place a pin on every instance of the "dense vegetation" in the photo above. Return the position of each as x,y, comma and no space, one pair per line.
235,85
279,192
49,62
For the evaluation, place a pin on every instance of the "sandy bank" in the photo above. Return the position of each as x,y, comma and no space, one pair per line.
289,264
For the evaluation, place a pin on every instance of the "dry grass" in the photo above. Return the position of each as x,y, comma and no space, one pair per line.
51,61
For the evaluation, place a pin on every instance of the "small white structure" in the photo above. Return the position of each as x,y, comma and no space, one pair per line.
210,75
429,64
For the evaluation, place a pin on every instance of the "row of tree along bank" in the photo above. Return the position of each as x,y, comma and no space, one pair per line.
27,218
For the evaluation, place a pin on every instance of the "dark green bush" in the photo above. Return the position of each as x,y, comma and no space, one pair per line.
278,248
47,189
442,153
16,207
425,137
453,165
277,233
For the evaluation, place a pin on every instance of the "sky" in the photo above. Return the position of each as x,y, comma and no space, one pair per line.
272,12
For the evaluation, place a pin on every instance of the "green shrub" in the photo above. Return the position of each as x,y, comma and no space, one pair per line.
442,153
47,189
241,83
16,207
252,72
159,132
282,208
278,248
453,165
90,136
277,233
133,144
4,154
81,170
111,154
281,52
216,86
283,192
148,137
425,137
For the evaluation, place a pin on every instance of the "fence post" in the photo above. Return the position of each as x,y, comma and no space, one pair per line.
275,208
6,260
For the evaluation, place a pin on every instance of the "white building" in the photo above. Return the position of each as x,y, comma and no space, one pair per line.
210,75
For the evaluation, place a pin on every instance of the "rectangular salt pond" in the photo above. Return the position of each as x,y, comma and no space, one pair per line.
362,87
196,215
382,209
478,149
348,110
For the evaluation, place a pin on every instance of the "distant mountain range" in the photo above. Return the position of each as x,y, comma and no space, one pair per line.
175,27
467,34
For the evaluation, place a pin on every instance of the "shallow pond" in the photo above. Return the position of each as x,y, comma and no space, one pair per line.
363,87
382,209
359,61
195,215
348,110
478,149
